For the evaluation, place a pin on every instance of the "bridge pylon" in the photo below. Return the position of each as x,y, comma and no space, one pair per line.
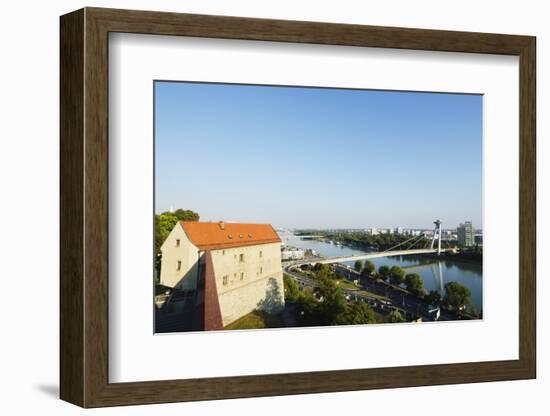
437,236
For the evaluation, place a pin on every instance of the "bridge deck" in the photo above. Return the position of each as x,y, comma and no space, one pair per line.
373,256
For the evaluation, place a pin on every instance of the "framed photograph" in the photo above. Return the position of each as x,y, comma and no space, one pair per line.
255,207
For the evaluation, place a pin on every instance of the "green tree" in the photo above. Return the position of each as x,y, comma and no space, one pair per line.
457,295
473,311
165,222
331,307
306,308
369,268
414,283
434,298
185,215
362,239
384,272
397,275
358,265
324,271
292,290
357,313
333,302
395,317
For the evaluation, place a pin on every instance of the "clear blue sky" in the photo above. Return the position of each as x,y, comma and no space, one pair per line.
322,158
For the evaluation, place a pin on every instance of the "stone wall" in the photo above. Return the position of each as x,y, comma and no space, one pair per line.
249,278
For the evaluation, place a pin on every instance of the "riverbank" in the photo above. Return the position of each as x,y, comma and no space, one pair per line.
456,258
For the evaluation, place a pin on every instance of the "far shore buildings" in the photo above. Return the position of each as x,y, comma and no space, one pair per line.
238,265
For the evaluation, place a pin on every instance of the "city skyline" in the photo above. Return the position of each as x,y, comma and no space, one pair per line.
383,229
318,158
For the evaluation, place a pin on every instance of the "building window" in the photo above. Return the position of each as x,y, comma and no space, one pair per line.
225,280
178,267
241,258
242,275
261,270
261,253
223,252
177,242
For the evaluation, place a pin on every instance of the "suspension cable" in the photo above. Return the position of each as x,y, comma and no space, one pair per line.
420,237
400,244
417,241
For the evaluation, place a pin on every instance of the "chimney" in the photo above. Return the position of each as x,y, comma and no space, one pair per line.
222,225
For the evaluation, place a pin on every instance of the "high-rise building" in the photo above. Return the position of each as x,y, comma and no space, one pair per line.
465,234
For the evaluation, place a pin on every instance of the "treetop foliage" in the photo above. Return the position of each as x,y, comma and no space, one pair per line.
457,295
397,275
326,304
414,282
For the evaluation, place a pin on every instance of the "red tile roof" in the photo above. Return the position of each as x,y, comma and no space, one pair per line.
219,235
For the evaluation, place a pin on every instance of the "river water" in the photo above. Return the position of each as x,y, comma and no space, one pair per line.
435,273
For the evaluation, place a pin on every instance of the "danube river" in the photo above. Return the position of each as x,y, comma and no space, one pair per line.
434,272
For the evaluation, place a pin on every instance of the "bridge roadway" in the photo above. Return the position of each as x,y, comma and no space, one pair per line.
369,256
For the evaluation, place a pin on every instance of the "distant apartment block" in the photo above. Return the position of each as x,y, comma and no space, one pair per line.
478,239
240,262
465,234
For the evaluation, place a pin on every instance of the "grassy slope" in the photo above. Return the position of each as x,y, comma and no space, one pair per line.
256,320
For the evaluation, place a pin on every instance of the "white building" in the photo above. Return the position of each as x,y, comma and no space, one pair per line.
292,254
243,261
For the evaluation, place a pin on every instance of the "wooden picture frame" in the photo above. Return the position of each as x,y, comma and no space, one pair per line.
84,207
